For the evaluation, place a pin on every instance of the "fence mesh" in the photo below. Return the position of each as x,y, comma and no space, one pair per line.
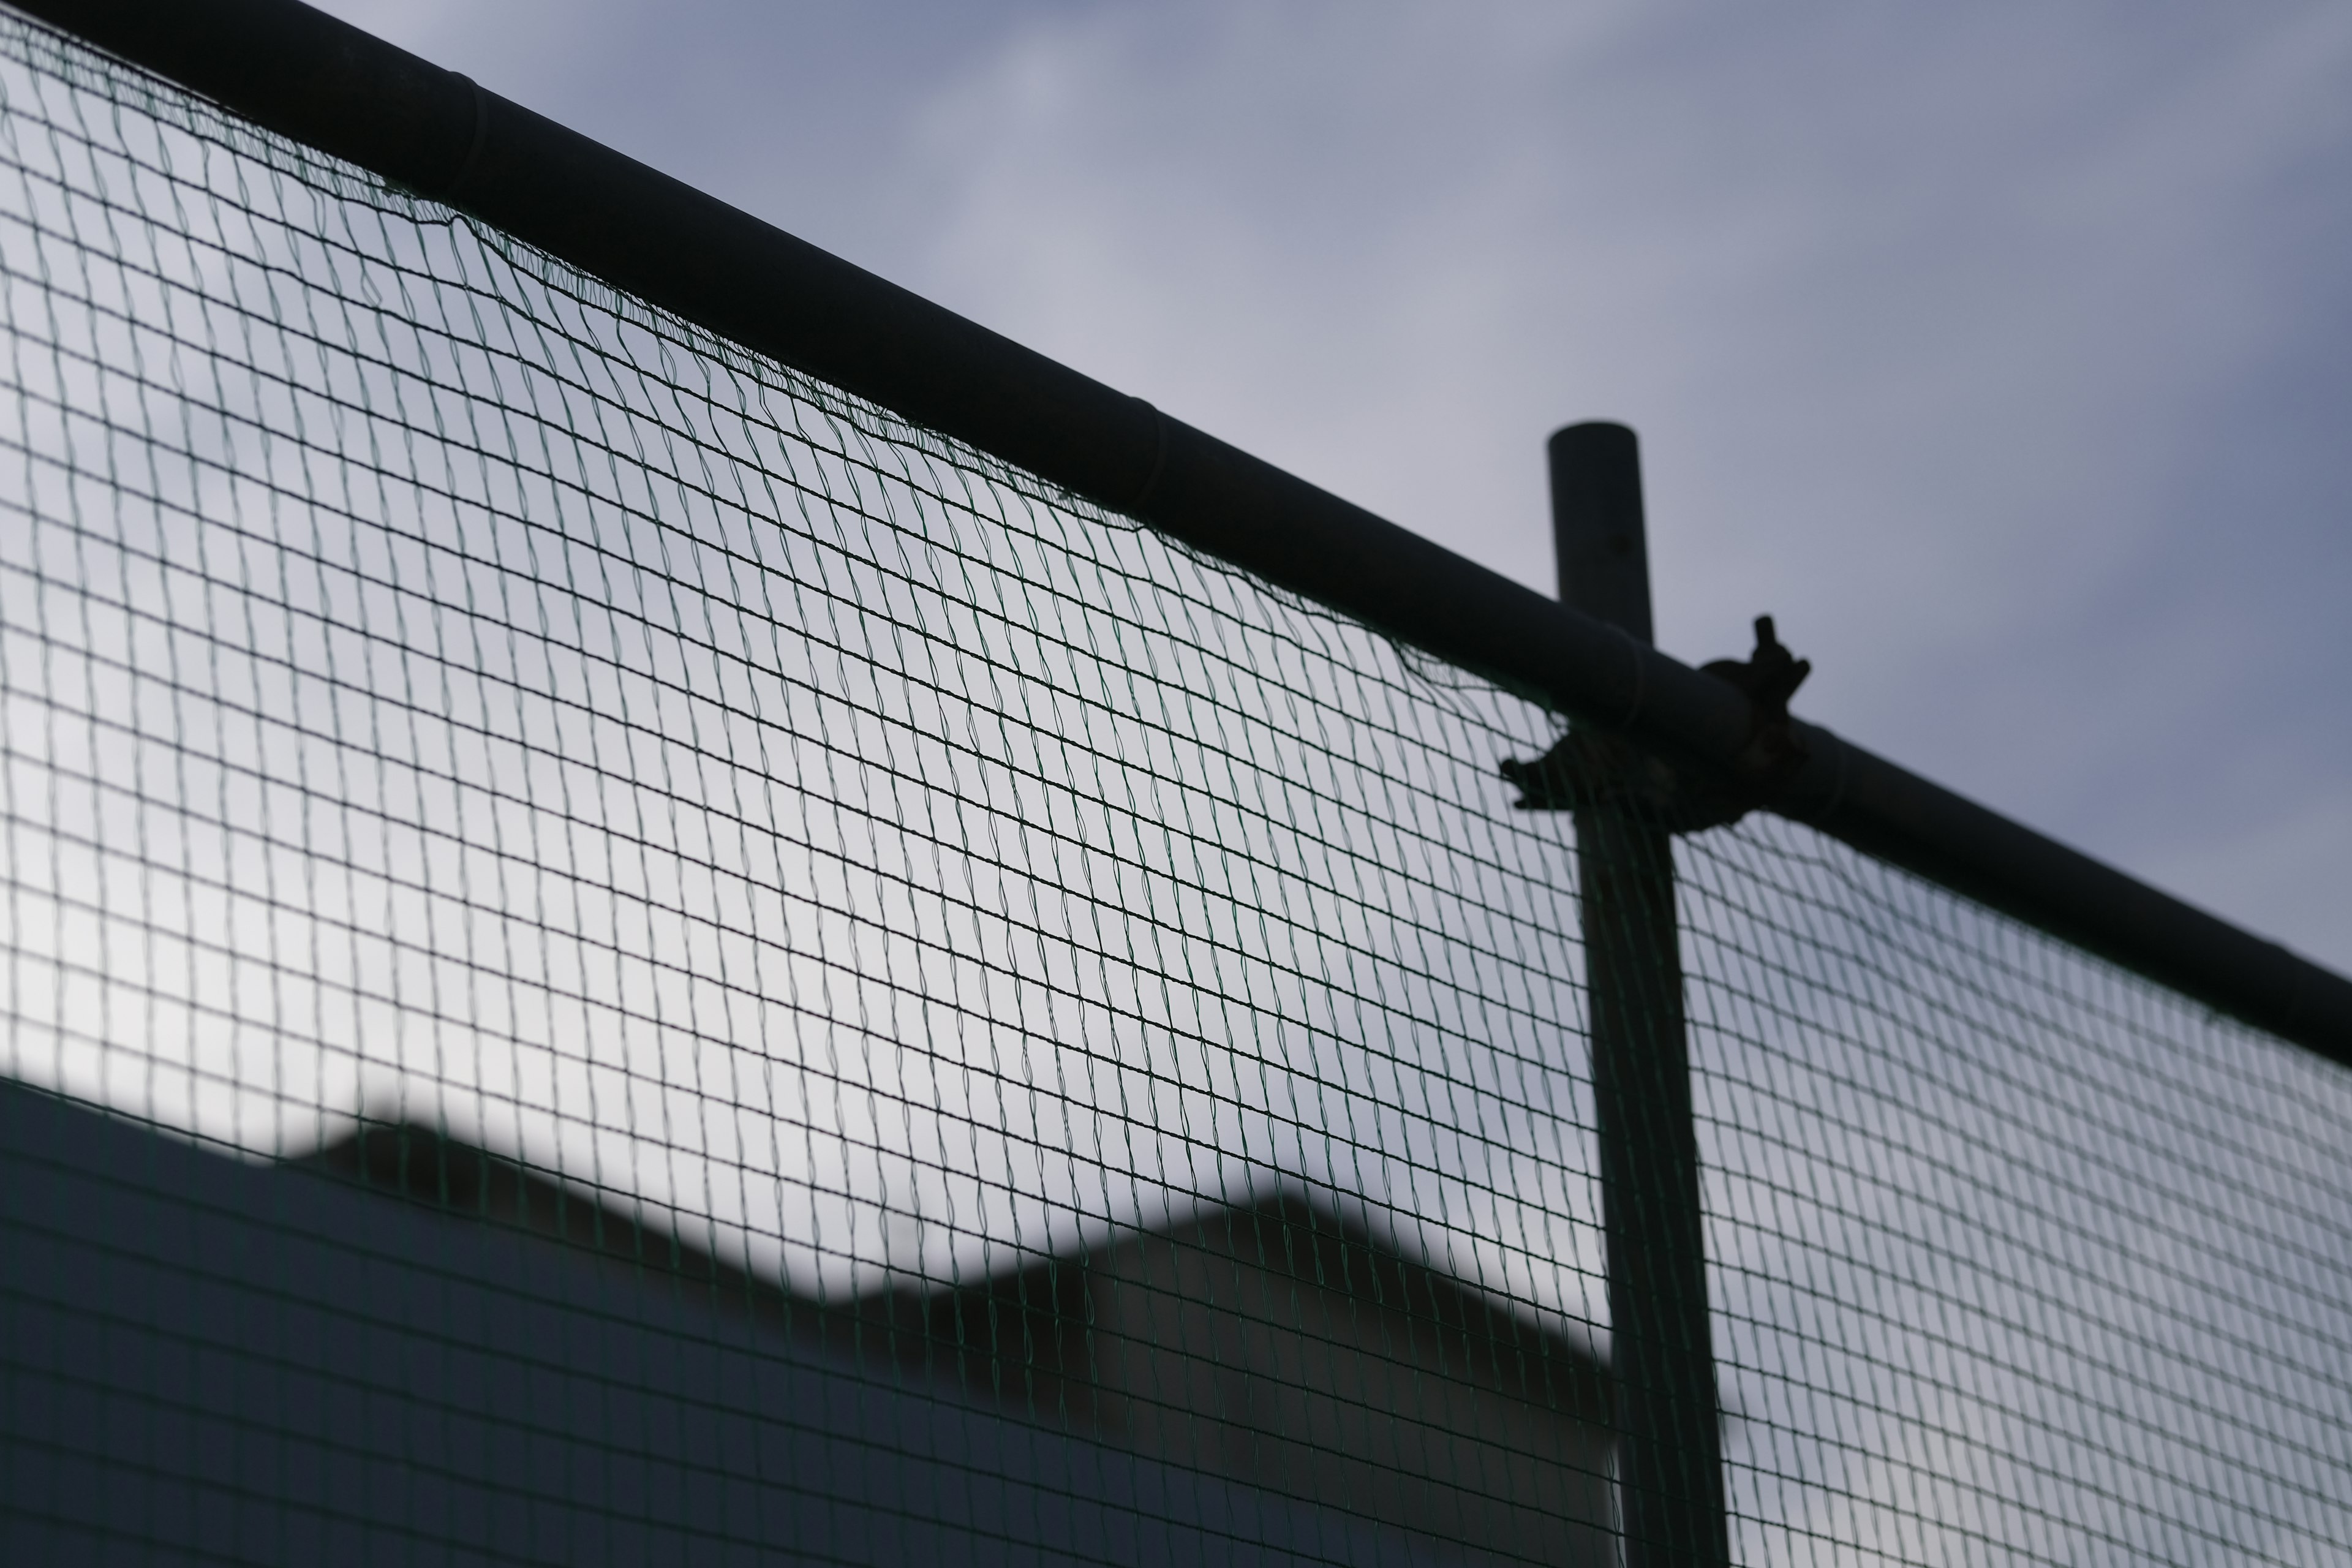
611,953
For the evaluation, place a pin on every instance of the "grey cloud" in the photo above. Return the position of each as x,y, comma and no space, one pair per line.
1943,334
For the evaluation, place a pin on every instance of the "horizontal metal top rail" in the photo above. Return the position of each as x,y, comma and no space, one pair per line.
320,81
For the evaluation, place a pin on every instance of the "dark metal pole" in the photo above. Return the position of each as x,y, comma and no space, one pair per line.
1669,1460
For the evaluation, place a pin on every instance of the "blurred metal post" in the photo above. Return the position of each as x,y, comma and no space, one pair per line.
1669,1450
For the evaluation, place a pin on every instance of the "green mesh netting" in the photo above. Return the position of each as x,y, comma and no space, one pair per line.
612,954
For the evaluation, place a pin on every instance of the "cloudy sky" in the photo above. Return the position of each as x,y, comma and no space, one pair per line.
2003,352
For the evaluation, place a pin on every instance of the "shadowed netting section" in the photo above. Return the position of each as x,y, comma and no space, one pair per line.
609,952
471,733
2015,1257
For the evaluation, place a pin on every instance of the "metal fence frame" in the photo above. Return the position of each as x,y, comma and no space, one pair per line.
323,82
320,81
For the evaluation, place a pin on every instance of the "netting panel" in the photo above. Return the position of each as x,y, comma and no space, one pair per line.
2016,1257
426,659
441,697
441,694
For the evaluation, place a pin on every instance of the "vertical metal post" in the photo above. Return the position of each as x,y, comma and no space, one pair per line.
1669,1450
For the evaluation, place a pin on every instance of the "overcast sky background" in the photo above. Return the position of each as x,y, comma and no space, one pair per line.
2002,350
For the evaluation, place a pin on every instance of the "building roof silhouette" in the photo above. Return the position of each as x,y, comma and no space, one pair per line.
1280,1343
